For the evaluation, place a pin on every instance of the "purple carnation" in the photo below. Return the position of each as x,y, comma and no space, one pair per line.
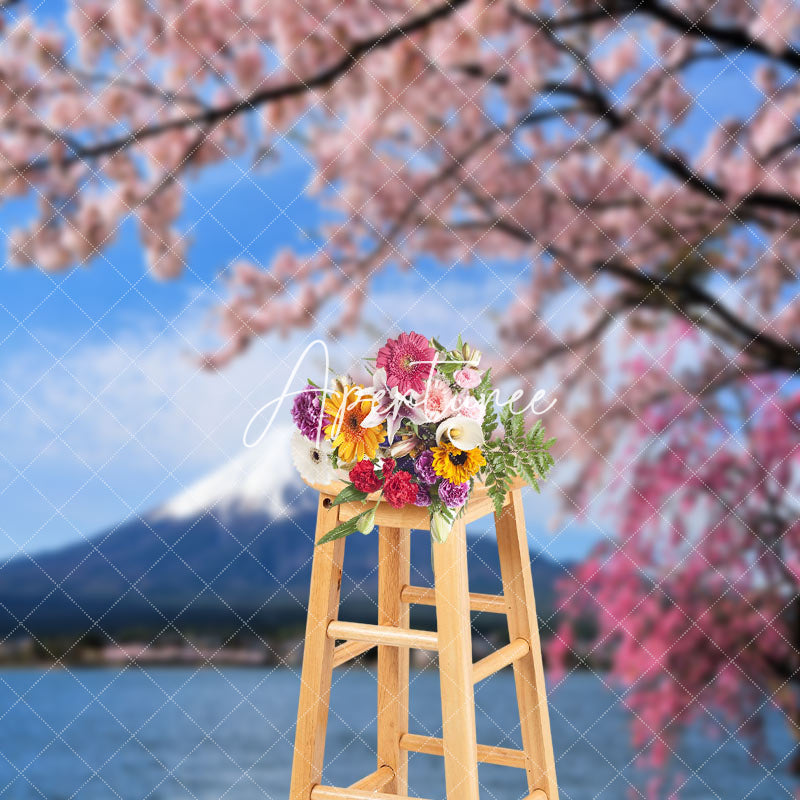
423,466
454,495
423,498
307,411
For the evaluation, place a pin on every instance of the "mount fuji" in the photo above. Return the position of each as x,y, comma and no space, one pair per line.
231,552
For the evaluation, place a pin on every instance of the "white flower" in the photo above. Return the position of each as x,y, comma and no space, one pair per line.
390,406
464,433
312,462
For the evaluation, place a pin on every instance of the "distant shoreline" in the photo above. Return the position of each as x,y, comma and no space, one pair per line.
201,652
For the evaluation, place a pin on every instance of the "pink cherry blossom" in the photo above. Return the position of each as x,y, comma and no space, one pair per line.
656,243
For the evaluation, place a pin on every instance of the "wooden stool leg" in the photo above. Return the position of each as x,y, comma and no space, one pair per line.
529,671
455,665
315,685
394,572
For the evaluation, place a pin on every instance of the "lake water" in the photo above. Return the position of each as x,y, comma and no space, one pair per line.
174,733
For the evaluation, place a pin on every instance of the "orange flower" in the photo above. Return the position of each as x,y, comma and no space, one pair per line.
347,409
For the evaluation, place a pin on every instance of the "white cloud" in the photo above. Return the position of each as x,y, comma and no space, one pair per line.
140,389
146,391
117,427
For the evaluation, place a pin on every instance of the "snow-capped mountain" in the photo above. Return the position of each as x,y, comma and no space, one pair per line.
230,552
260,480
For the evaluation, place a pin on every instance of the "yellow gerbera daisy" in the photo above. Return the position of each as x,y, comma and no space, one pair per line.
457,466
346,410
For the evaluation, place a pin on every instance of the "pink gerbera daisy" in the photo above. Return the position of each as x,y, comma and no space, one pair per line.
407,361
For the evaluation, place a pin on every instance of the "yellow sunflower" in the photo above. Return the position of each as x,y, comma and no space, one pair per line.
457,466
346,410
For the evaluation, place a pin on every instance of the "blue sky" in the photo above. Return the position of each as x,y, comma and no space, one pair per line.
103,412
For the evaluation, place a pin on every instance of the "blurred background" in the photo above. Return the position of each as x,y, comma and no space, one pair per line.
603,196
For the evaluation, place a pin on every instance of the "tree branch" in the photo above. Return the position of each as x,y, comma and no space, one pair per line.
601,106
779,149
584,339
727,37
681,294
777,354
598,102
272,94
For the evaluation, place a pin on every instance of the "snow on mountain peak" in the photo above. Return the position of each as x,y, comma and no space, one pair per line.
262,479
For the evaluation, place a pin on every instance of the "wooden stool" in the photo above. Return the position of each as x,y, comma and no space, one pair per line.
453,641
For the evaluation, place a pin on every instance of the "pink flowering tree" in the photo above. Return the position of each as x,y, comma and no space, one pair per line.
696,603
660,244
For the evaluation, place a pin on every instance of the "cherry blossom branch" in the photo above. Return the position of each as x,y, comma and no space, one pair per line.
322,79
603,108
770,351
727,37
678,295
779,149
573,346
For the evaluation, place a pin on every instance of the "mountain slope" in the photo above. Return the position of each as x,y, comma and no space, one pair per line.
231,552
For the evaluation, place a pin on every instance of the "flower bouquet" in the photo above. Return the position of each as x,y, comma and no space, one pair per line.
422,434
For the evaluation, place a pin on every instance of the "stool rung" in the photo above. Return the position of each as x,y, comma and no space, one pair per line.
383,635
375,781
422,596
332,642
487,754
332,793
348,651
494,662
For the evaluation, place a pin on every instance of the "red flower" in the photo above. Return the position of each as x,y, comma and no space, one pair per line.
388,467
400,490
364,478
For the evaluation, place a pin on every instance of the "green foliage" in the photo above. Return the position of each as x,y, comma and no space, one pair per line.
484,391
450,361
518,452
345,528
448,370
438,507
348,495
